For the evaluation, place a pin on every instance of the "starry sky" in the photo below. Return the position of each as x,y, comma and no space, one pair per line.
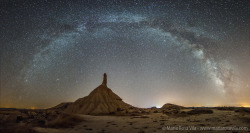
190,53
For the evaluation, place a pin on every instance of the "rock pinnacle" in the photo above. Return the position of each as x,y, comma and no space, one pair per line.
104,82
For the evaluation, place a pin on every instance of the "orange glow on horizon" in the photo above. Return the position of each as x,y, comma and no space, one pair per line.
32,107
245,105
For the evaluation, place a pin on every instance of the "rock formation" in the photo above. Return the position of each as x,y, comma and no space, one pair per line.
101,100
61,106
172,106
104,82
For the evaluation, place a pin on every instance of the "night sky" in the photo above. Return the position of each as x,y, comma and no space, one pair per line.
186,52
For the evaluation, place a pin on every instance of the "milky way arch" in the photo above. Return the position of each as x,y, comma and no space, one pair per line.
155,51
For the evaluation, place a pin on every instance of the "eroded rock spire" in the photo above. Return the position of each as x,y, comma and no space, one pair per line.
104,82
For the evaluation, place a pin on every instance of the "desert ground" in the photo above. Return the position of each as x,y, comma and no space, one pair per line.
135,120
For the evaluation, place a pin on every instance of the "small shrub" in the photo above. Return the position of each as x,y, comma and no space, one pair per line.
155,111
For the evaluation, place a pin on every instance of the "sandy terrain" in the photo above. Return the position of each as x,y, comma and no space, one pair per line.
155,122
146,123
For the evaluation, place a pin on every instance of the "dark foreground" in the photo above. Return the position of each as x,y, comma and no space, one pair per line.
135,120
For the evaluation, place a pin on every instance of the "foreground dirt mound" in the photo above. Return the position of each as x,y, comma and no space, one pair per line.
101,100
65,121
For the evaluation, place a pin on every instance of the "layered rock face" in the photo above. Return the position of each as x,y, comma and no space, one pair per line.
101,100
